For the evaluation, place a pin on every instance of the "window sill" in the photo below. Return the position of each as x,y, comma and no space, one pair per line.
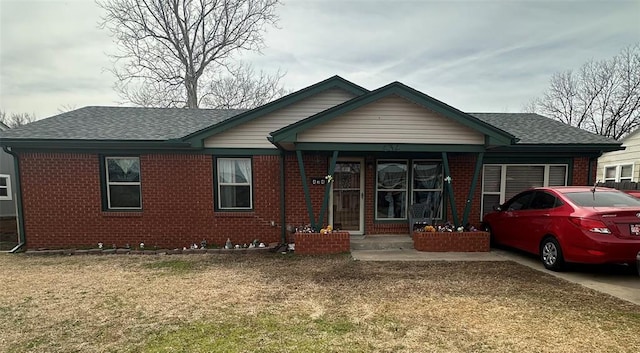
122,214
237,214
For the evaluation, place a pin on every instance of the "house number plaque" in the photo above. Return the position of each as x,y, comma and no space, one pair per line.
318,181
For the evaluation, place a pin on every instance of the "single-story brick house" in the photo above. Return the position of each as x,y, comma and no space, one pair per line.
173,177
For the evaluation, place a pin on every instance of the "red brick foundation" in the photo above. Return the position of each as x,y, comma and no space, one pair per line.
320,244
451,241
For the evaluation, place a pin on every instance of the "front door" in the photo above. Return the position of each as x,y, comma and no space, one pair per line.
347,196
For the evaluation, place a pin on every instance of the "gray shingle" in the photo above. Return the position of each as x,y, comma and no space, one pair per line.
160,124
536,129
122,123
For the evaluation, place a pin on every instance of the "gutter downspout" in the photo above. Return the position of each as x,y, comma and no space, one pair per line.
16,166
283,203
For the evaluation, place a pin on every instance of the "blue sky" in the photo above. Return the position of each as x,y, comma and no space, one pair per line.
478,56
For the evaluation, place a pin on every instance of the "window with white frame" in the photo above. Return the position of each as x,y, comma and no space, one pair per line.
123,187
234,184
500,182
5,187
618,173
391,189
427,186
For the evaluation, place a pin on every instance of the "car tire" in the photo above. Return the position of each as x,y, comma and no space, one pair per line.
492,241
551,254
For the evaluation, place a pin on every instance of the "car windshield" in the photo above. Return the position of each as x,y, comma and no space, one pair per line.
602,199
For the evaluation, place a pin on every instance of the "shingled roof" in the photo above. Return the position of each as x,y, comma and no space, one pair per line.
532,128
165,124
122,123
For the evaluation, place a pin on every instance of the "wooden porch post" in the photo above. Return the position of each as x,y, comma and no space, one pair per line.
449,188
474,182
327,187
305,187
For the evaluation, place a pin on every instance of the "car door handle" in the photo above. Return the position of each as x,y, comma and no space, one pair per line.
546,214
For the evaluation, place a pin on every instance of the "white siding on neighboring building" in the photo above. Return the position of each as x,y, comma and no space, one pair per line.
629,156
7,203
392,120
254,134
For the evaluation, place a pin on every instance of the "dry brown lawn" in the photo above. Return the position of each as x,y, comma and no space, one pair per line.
284,303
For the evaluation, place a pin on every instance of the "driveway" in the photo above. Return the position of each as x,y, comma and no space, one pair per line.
616,280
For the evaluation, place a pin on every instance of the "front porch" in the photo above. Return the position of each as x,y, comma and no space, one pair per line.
341,242
381,242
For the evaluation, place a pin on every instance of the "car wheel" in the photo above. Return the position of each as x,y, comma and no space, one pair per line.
492,241
551,254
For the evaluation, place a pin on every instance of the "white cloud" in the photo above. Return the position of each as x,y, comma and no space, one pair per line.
474,55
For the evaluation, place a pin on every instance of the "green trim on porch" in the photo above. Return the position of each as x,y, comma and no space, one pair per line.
595,150
474,183
242,151
386,147
101,145
327,188
532,159
448,186
305,188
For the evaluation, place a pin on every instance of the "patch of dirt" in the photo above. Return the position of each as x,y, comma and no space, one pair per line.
117,303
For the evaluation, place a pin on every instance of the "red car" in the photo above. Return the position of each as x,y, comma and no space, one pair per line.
569,224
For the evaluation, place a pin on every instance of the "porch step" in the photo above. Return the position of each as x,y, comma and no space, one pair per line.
381,242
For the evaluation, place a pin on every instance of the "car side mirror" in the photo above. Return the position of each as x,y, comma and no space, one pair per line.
497,208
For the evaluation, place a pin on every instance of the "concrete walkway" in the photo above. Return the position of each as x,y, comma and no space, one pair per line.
617,281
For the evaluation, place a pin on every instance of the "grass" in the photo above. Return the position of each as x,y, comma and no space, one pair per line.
274,303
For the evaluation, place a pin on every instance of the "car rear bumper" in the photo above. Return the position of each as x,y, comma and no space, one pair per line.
600,252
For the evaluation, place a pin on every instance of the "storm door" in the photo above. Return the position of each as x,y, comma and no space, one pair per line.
347,212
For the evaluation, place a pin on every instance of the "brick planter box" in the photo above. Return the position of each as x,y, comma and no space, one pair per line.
319,244
451,241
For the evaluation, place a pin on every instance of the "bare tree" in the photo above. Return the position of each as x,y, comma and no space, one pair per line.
67,108
602,97
243,88
16,119
172,52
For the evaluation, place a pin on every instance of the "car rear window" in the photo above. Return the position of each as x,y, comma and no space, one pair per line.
602,199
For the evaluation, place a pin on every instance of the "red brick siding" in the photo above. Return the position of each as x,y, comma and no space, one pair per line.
63,207
462,168
314,167
581,171
320,244
451,241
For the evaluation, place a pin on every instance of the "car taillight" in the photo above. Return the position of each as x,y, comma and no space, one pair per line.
591,225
